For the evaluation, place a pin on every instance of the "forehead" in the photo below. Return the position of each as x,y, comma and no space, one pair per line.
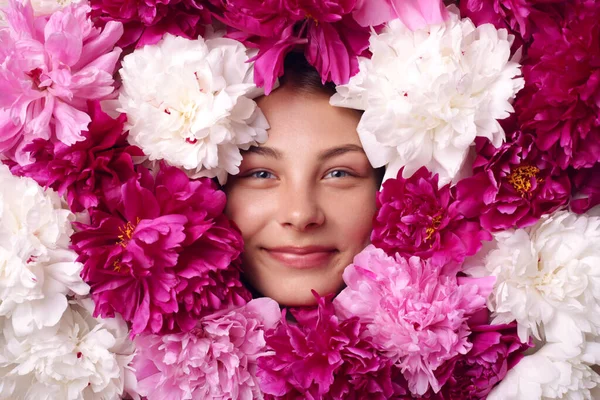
300,119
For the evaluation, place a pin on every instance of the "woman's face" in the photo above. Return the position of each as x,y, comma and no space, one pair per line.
304,200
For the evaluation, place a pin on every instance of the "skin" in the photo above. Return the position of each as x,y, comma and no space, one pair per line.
309,184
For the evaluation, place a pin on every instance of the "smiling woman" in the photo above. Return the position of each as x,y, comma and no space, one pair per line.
305,199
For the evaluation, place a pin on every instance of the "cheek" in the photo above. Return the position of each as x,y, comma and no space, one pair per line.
249,210
352,216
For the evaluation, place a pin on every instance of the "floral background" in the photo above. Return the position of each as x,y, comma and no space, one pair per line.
120,276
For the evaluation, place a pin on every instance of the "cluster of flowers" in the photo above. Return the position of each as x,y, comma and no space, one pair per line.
120,275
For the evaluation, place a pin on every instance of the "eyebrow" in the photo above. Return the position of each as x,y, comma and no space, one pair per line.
324,155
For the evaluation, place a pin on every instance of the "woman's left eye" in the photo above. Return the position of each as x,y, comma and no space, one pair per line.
338,173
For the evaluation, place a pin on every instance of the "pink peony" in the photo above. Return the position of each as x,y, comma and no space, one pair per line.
215,360
512,186
51,67
586,183
415,14
87,170
415,314
331,38
162,256
147,21
415,218
323,357
560,103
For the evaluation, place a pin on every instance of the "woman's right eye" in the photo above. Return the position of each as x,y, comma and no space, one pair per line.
261,175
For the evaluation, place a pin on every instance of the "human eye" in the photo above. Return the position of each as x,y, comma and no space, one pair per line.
260,174
337,173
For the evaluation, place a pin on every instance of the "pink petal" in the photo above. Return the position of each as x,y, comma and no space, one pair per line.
415,14
70,122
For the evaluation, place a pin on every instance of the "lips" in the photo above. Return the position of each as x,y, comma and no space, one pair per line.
303,257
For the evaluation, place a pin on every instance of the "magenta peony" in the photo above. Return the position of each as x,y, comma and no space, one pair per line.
415,218
146,21
522,18
215,360
512,186
331,38
586,184
323,357
560,102
86,171
415,314
496,349
51,67
162,256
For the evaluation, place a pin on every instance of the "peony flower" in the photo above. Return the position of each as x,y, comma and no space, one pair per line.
413,14
428,94
586,183
37,271
520,17
189,102
415,314
556,371
561,109
50,68
416,218
496,350
78,358
85,170
323,357
327,31
513,185
215,360
162,257
546,277
146,22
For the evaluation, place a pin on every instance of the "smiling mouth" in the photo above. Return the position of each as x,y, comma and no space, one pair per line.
302,257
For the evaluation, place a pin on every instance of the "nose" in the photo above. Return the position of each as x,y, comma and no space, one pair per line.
300,209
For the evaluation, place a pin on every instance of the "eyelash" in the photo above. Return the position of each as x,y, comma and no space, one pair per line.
255,173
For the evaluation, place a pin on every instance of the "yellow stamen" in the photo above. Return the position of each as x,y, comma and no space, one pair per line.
126,233
520,178
435,225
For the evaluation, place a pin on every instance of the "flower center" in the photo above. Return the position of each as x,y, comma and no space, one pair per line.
126,232
435,225
35,75
520,178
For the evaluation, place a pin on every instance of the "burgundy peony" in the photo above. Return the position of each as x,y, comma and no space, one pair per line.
146,21
416,218
512,186
89,170
560,104
163,257
322,357
331,38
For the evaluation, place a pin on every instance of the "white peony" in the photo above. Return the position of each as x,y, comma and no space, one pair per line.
79,358
427,94
37,269
189,102
547,277
556,371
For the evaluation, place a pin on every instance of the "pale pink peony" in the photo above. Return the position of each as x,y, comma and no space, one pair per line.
51,66
414,313
216,360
